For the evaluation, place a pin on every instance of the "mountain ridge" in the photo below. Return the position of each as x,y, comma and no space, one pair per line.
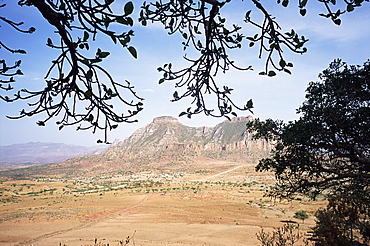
165,144
43,152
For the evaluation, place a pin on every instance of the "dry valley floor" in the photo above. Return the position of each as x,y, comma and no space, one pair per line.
223,204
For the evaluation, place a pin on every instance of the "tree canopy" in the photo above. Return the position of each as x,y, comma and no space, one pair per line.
79,91
327,150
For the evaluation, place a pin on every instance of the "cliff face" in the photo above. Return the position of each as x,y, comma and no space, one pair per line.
164,144
166,136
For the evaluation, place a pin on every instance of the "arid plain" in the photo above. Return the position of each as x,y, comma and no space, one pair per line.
218,203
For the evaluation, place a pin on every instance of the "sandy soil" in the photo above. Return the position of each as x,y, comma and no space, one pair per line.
222,207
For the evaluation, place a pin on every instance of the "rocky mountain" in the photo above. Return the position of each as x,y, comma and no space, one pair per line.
166,136
43,153
164,144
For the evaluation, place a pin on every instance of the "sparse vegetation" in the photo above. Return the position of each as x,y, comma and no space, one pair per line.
287,235
345,221
159,199
301,215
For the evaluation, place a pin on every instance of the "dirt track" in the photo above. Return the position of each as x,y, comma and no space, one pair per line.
179,212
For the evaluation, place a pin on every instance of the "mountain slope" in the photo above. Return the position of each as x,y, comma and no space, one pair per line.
164,144
166,134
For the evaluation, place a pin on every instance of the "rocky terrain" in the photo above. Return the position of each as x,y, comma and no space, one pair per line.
166,184
166,136
165,144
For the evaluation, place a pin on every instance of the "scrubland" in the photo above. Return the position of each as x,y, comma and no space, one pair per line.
223,205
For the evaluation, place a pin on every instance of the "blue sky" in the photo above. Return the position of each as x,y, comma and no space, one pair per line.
276,98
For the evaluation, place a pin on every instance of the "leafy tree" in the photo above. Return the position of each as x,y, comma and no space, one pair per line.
301,215
327,148
327,151
287,235
344,221
81,92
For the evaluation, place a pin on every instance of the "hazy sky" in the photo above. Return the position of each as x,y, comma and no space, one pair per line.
276,98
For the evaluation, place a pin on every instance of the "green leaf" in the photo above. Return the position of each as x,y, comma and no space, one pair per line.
90,118
132,51
104,54
86,36
303,12
88,93
125,41
287,71
31,30
285,3
89,75
271,73
40,123
303,3
129,8
182,114
130,21
282,63
122,20
337,22
350,7
248,14
176,95
49,42
161,81
249,104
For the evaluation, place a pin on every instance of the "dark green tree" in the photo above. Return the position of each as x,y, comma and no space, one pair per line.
301,215
81,92
345,221
328,148
327,151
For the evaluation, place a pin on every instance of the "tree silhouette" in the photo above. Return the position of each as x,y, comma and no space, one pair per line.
79,91
327,148
326,152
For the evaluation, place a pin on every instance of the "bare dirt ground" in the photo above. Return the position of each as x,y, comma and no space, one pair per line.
223,205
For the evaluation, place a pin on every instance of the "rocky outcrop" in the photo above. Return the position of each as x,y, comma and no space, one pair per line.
164,144
166,136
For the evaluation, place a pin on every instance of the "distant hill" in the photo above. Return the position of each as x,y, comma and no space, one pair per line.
43,153
164,144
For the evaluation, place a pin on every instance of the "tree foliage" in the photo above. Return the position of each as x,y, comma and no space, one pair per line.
344,221
287,235
81,92
301,215
75,90
328,148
